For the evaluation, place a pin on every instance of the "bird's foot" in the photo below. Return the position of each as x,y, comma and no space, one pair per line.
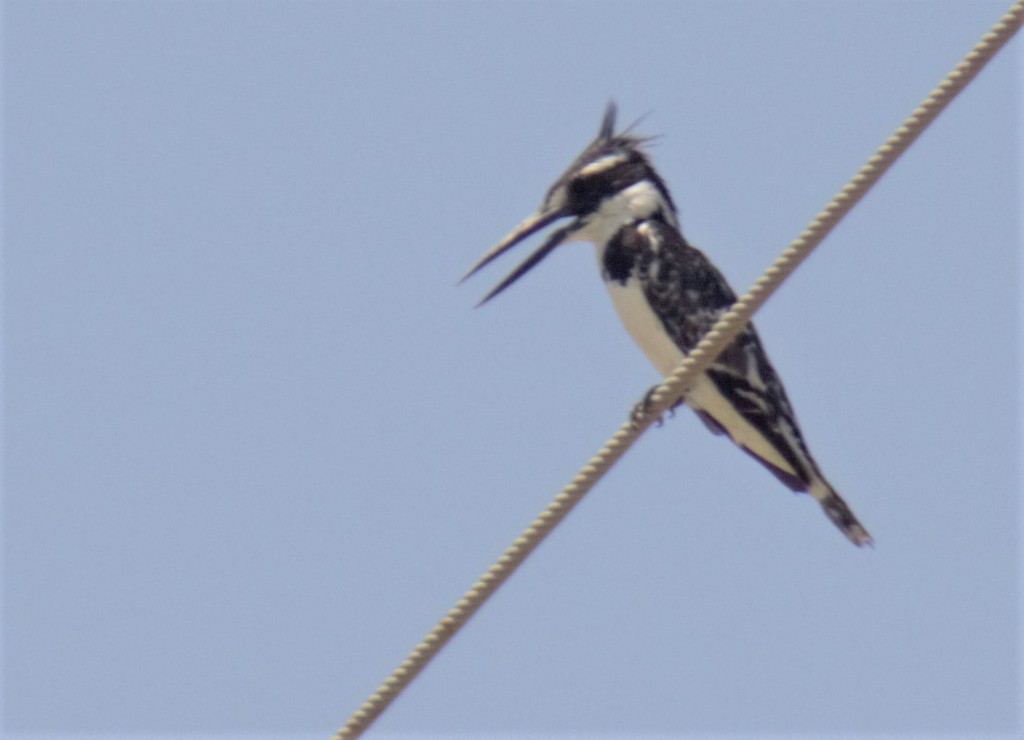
643,409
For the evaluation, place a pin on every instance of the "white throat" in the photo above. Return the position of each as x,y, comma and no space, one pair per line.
636,203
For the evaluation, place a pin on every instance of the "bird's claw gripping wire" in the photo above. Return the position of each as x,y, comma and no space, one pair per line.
643,409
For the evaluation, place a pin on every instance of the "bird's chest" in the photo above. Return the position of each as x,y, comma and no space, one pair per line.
625,282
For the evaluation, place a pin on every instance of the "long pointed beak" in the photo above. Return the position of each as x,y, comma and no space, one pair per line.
527,228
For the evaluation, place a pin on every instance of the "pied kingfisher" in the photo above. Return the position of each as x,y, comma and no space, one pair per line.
668,295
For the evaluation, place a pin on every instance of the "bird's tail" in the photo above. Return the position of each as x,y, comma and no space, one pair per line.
840,513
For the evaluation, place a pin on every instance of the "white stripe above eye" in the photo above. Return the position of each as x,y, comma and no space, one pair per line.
604,163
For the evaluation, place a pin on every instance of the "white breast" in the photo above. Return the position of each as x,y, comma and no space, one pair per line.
643,324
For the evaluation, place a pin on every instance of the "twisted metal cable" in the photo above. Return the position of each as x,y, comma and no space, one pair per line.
696,362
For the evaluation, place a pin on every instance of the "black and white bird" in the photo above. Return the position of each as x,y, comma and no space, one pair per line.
668,295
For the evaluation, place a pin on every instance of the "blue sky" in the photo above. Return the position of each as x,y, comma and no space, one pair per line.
256,441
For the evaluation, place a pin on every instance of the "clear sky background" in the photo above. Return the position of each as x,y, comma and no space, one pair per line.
256,441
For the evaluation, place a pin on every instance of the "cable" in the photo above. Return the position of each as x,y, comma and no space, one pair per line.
696,362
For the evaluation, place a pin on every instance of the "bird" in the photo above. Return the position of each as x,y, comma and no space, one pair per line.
668,294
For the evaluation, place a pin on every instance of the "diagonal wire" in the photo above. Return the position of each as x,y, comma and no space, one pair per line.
696,362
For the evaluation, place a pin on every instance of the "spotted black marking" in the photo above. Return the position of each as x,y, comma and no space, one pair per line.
690,295
766,419
622,253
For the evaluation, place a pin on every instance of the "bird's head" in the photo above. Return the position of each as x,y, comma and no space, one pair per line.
609,184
